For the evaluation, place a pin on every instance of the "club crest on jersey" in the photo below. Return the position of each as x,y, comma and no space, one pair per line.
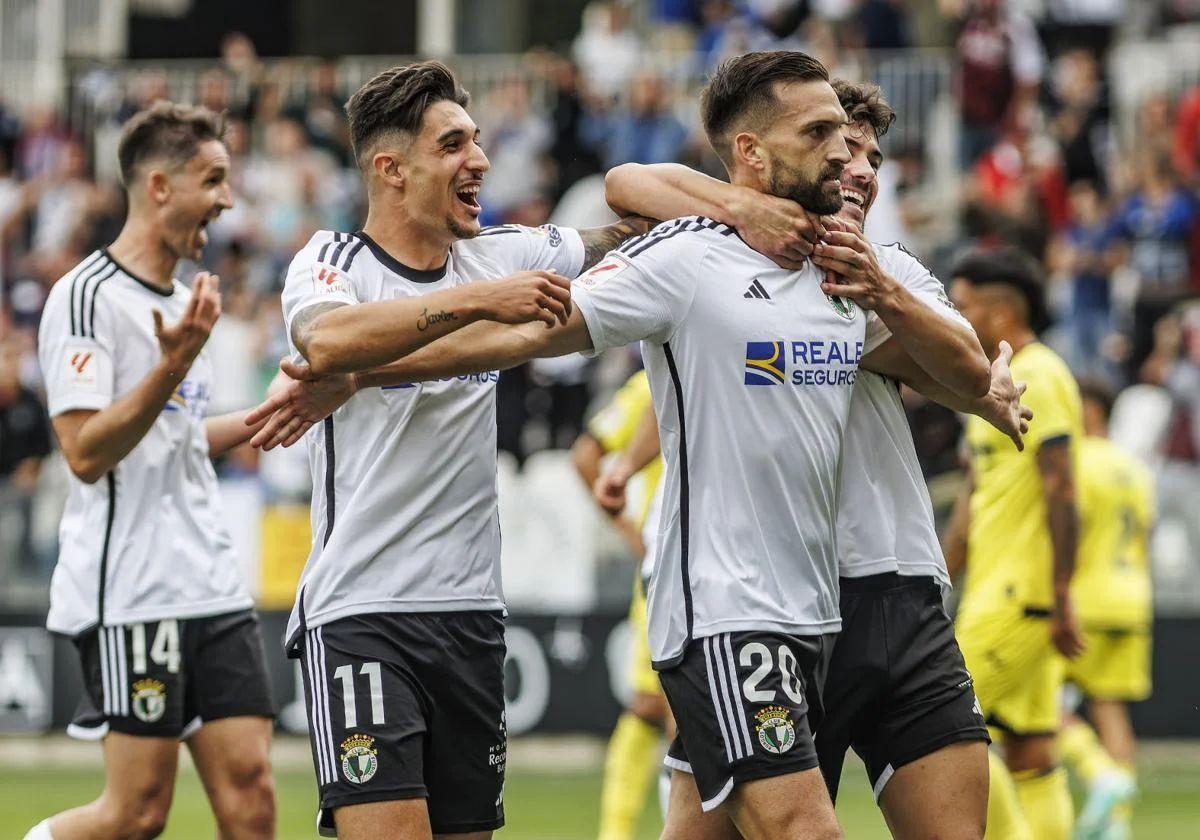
842,306
149,700
776,733
328,280
359,759
765,363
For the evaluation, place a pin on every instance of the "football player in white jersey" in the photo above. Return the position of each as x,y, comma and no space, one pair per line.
751,367
399,612
147,583
897,690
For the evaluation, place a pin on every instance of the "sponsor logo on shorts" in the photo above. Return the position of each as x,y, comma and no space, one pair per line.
359,759
776,733
149,700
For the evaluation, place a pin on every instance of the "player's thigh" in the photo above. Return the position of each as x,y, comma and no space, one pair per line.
233,758
795,806
943,794
406,819
687,820
139,772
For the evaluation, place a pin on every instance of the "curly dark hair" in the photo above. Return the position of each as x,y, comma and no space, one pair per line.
865,105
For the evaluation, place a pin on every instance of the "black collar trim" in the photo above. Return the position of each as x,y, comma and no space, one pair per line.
416,275
158,290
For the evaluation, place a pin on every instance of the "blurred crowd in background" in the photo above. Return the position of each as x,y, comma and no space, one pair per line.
1041,157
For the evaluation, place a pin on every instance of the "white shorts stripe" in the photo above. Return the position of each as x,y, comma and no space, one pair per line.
738,698
325,708
709,660
105,688
315,687
723,682
708,804
122,671
881,782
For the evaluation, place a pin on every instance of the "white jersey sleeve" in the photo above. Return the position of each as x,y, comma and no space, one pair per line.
911,273
640,292
520,248
76,347
320,273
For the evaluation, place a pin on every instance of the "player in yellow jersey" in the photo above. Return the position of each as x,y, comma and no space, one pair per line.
634,752
1113,592
1017,534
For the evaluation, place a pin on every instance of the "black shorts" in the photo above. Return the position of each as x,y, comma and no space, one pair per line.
745,704
165,678
898,688
408,706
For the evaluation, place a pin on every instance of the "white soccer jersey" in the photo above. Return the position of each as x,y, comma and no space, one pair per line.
751,367
885,517
148,540
404,478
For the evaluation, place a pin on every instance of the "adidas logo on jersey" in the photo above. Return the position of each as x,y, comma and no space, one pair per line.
756,290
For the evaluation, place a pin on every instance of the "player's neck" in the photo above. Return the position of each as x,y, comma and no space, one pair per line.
407,240
140,251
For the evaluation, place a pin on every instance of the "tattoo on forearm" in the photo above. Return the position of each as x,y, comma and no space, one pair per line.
427,319
305,319
599,241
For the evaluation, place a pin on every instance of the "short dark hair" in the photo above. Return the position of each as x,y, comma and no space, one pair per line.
168,132
865,105
1006,266
745,87
396,100
1099,392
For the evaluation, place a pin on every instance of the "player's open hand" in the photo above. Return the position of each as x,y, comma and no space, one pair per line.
1004,409
776,227
1064,630
849,255
527,296
296,401
182,341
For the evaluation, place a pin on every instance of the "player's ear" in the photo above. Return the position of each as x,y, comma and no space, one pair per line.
747,151
388,168
158,186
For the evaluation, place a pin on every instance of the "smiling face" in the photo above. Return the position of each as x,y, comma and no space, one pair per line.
860,184
443,169
195,194
803,151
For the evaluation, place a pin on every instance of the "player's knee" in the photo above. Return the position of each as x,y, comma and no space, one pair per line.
138,815
247,799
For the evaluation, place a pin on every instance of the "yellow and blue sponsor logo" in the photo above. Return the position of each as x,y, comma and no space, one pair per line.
765,363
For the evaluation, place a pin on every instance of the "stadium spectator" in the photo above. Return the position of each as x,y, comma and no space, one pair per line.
644,132
606,49
1187,136
24,444
1001,63
1080,121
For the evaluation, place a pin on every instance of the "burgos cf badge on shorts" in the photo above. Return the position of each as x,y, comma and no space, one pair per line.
149,700
765,363
775,730
359,759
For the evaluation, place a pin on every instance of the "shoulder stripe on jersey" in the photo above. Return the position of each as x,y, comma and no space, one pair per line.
352,253
498,229
337,237
682,229
330,462
900,245
89,323
665,229
86,269
337,252
111,484
684,500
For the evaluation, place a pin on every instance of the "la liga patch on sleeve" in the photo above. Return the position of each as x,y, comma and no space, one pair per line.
328,280
603,271
81,363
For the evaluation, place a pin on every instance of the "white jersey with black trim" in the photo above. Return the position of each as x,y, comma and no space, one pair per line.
148,540
885,516
751,367
404,478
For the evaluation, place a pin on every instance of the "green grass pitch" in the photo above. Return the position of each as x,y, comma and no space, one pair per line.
547,804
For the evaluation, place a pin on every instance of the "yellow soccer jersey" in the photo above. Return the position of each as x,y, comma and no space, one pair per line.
1009,555
614,425
1111,587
